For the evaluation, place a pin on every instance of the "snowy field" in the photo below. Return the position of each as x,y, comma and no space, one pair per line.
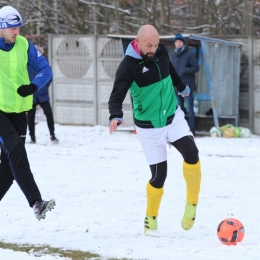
98,181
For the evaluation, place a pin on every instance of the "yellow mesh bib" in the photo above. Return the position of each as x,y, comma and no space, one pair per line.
13,74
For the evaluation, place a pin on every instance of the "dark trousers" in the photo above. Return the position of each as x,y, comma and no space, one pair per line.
14,162
189,109
48,113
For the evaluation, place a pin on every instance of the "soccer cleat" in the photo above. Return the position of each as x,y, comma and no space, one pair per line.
189,216
41,207
150,223
54,139
33,140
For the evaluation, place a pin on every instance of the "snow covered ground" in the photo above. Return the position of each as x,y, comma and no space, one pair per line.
98,181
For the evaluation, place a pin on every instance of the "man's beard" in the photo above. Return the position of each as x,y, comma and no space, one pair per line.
147,58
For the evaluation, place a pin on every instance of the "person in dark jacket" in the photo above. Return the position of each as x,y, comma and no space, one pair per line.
147,72
42,98
186,64
16,90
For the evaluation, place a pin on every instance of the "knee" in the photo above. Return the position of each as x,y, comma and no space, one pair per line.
10,144
159,174
18,160
191,156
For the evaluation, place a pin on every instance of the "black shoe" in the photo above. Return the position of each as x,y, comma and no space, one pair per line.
54,139
209,112
33,140
41,207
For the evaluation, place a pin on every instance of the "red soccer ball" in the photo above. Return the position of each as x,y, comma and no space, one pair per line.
230,231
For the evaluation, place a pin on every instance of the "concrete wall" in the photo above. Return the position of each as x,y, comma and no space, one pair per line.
84,68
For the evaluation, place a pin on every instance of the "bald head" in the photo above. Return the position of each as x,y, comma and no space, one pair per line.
147,31
147,40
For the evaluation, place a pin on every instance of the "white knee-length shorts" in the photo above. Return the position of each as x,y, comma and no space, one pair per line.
154,140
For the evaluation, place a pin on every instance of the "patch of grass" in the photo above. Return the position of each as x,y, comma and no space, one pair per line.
47,250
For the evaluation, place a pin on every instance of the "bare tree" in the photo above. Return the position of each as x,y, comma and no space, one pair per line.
210,17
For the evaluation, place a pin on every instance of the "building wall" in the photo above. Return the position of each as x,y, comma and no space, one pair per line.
84,68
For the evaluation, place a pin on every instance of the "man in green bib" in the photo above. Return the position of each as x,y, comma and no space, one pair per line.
16,90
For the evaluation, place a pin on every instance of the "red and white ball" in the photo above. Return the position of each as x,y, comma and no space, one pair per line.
230,231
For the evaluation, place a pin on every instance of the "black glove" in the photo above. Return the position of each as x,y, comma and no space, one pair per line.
26,90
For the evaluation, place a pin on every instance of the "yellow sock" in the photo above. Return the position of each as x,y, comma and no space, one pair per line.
154,197
192,176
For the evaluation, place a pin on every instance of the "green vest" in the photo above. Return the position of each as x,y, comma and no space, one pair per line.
13,74
154,104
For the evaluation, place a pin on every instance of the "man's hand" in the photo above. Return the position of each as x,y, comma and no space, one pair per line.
26,90
185,92
185,95
114,124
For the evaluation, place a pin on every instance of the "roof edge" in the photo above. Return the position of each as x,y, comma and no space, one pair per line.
189,36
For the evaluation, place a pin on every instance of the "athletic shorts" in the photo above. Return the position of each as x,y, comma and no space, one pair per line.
154,140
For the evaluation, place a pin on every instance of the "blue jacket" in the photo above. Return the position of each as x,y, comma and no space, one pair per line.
35,61
41,95
186,65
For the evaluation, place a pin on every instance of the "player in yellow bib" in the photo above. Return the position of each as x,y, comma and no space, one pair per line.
16,90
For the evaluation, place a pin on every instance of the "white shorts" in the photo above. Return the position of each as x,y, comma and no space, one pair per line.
154,140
